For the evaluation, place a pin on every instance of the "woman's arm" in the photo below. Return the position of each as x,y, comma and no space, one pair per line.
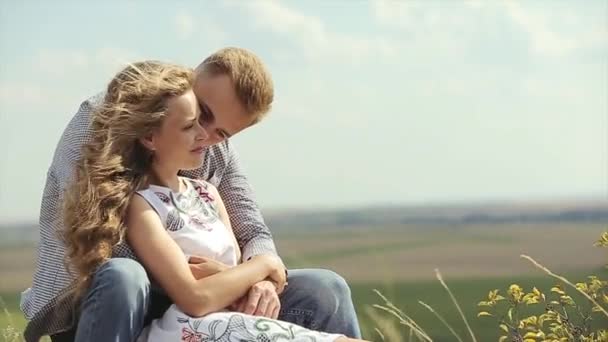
165,261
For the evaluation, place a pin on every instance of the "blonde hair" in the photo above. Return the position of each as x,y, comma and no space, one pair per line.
114,164
251,80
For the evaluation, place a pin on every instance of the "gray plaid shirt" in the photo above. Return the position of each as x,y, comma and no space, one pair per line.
44,304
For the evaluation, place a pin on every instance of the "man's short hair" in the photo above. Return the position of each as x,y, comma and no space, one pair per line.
252,81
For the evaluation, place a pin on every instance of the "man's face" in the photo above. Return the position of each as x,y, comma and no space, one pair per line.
222,115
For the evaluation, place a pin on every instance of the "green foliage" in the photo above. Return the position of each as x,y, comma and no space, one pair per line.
561,317
9,333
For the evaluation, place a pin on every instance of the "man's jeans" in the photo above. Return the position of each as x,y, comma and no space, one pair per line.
121,302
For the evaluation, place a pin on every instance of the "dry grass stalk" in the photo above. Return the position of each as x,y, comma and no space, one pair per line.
456,304
556,276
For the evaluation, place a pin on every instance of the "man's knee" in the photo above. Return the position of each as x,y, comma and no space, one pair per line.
124,278
335,282
329,279
327,284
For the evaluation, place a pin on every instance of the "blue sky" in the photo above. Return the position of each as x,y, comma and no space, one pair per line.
377,102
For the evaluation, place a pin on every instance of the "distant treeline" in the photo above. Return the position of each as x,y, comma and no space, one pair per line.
594,212
438,216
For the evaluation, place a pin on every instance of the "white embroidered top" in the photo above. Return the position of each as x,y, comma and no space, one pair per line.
191,218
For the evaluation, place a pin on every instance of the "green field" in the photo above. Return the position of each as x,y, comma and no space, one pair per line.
473,260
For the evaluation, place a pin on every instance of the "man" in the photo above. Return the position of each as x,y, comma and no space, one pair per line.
121,299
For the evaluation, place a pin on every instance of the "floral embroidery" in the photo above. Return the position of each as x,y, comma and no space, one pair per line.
191,336
174,221
196,212
191,333
200,224
202,190
263,330
197,208
164,198
205,195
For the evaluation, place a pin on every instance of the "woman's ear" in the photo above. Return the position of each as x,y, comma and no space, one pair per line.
148,142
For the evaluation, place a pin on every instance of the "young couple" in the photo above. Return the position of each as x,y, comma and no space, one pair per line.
148,226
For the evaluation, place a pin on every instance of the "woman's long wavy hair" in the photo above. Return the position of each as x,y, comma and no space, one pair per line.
114,164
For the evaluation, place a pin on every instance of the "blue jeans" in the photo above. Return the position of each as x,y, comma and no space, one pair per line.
121,301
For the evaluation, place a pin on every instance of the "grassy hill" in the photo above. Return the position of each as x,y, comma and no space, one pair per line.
400,262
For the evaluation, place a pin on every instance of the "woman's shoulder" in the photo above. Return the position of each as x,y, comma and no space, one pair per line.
150,192
138,203
150,197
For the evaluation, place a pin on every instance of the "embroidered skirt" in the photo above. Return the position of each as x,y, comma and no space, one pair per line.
176,326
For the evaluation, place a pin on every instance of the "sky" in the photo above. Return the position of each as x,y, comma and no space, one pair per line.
377,102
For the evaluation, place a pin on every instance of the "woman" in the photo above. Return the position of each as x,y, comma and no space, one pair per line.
146,131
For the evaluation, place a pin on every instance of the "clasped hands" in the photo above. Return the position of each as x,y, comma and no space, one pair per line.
262,299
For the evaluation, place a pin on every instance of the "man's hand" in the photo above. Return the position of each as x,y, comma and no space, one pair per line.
278,272
202,267
261,300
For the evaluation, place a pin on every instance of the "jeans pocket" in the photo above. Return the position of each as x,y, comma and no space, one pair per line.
303,318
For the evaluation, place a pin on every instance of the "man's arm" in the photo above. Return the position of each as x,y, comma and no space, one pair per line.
253,235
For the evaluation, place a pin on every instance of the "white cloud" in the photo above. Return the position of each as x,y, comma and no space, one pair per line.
60,77
33,97
562,31
215,37
20,93
184,25
552,30
113,59
543,40
57,62
312,37
393,13
62,62
427,30
474,4
421,18
194,26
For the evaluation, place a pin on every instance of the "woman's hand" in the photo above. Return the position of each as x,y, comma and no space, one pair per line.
202,267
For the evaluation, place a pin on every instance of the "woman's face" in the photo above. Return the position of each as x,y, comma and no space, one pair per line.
181,140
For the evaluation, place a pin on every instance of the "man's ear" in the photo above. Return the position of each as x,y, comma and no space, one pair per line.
148,142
